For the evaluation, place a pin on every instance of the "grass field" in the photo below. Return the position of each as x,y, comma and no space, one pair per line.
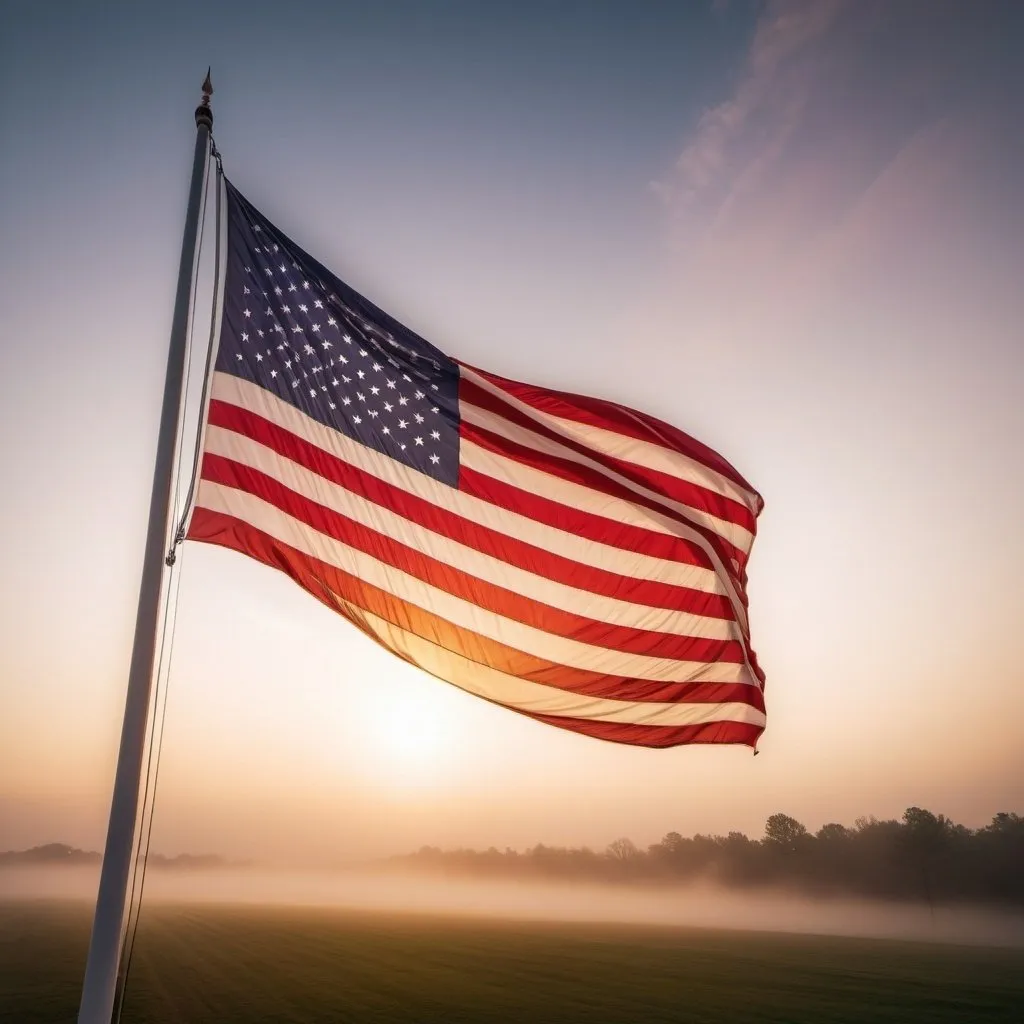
235,964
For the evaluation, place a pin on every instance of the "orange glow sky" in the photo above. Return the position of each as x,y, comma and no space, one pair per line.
794,230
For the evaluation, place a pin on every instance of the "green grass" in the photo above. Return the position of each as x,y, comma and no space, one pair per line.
233,964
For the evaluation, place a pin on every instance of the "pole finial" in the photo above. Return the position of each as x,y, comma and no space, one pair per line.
204,114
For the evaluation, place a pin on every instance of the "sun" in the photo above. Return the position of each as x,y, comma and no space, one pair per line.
413,738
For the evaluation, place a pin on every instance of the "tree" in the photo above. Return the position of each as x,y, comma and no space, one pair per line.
833,832
622,849
673,842
784,832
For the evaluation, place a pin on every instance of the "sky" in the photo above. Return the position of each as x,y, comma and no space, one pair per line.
793,229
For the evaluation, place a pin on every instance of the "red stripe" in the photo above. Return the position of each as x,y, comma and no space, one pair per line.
584,524
508,549
676,488
656,735
328,583
597,412
463,585
593,479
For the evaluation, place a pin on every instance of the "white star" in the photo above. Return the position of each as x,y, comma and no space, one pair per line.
245,289
360,374
305,284
403,423
332,321
238,356
391,384
273,373
334,382
436,435
279,290
296,329
245,337
332,405
318,304
419,394
286,309
418,440
259,357
362,351
312,392
308,349
378,367
292,288
343,360
357,419
386,430
316,330
246,313
360,396
305,309
402,447
260,333
374,413
347,339
282,268
402,400
418,418
433,408
388,407
435,459
325,345
346,400
374,390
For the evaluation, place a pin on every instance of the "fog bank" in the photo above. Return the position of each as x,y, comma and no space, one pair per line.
701,906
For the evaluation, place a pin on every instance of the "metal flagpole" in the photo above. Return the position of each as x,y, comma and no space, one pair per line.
99,986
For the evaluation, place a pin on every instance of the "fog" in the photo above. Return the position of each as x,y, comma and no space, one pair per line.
702,906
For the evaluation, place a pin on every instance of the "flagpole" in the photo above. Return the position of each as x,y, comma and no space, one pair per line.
100,983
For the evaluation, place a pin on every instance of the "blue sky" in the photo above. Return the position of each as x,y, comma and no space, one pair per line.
793,229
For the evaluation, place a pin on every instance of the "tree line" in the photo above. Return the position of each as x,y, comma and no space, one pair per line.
922,856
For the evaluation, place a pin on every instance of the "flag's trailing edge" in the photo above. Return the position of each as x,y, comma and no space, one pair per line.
562,556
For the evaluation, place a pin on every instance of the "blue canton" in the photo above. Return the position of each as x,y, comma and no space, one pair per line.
292,327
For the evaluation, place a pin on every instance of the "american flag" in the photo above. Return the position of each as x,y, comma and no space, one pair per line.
565,557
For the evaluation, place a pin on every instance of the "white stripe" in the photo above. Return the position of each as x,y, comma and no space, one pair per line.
579,496
459,612
737,535
242,449
576,496
607,557
630,449
525,695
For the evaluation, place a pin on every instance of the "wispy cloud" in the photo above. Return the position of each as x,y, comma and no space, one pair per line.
833,97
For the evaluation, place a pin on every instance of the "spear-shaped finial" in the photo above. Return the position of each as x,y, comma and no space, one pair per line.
204,114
